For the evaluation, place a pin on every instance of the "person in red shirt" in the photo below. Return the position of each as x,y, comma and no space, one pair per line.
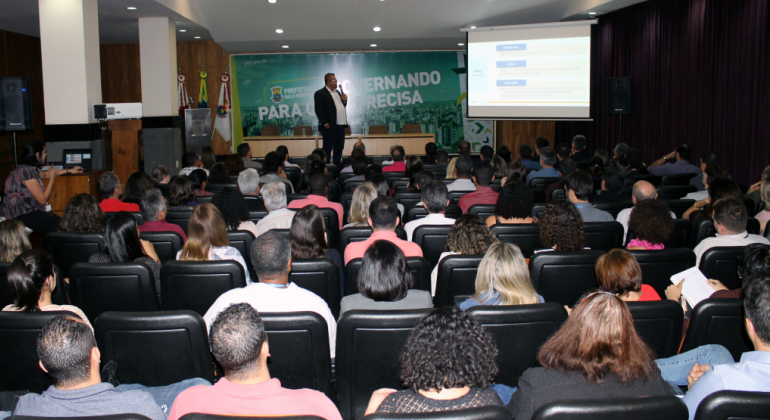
398,155
383,218
154,210
319,190
618,272
483,175
239,343
109,187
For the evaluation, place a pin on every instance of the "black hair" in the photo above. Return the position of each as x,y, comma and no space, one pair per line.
564,150
27,275
321,153
384,275
282,151
579,142
567,166
64,348
581,184
232,206
464,165
710,157
434,195
318,184
442,156
359,164
525,151
121,240
731,213
484,173
487,152
431,149
272,163
684,150
371,171
542,142
634,158
182,192
380,184
327,77
464,148
622,164
757,304
384,212
504,153
753,258
398,154
236,338
270,254
30,152
425,178
548,156
515,200
243,149
218,175
621,148
198,177
715,170
614,179
189,159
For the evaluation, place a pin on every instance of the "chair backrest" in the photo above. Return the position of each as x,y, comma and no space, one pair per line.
456,277
350,186
344,176
615,207
165,189
544,182
352,234
407,199
524,235
490,412
659,266
18,347
418,266
102,287
453,211
399,185
538,195
320,276
659,323
166,244
721,263
674,192
482,210
369,344
138,216
295,196
393,176
496,184
724,405
411,128
346,199
219,187
308,130
179,217
335,190
331,223
705,229
455,196
666,407
559,193
652,179
604,235
378,129
195,285
432,240
676,179
299,345
718,321
155,348
271,130
519,330
538,210
242,240
563,276
68,249
678,206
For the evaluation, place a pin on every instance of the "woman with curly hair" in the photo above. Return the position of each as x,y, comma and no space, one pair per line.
234,210
182,193
308,239
652,225
468,236
15,240
514,204
448,363
619,273
82,215
359,206
561,227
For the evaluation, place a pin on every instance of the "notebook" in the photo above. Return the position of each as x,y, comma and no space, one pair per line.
695,288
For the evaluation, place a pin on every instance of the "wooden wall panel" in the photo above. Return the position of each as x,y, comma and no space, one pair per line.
514,133
121,73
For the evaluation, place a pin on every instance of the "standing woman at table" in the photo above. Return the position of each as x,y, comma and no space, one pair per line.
25,196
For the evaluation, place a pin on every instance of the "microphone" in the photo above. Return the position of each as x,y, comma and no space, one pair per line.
340,88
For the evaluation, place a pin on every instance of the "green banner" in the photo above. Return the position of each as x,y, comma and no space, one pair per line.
390,89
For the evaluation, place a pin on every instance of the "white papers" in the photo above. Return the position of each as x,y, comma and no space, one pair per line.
695,288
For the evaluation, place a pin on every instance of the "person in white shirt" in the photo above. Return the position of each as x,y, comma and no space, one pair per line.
358,146
271,258
434,199
643,190
278,216
463,167
283,152
730,217
191,162
713,171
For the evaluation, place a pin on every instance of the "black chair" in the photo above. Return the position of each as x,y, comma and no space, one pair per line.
538,195
399,185
344,176
674,192
537,211
68,249
676,179
195,285
346,199
19,350
291,197
666,407
456,277
432,240
543,182
524,235
102,287
558,193
165,189
652,179
718,321
299,343
563,276
419,267
320,276
615,207
138,216
702,230
155,348
724,405
678,206
242,240
604,235
334,191
490,412
293,174
519,330
179,217
360,233
333,170
659,323
455,196
392,176
368,348
482,210
332,224
350,186
453,211
166,244
256,215
407,199
201,199
720,263
659,266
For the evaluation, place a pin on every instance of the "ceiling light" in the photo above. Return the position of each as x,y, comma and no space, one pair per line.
285,46
197,37
271,1
279,31
183,30
591,13
131,8
377,29
461,44
373,45
473,27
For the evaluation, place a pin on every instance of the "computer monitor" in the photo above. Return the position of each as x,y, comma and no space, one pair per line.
77,157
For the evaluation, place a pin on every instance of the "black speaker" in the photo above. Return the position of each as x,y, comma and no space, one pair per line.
619,95
15,107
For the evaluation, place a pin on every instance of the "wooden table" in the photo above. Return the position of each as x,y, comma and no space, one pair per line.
298,145
67,186
376,144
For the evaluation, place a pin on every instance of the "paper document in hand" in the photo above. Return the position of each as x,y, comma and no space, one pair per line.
695,288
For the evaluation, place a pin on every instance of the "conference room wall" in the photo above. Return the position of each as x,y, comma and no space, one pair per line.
514,133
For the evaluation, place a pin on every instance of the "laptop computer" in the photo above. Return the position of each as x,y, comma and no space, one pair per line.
77,157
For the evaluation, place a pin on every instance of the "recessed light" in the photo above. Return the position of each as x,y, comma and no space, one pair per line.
183,30
591,13
473,27
373,45
271,1
131,8
377,29
285,46
461,44
197,37
279,31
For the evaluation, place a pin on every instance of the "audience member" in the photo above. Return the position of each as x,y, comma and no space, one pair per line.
278,216
108,185
383,218
414,169
753,192
683,153
430,154
448,363
464,148
308,239
321,154
248,185
486,153
579,188
652,225
353,154
200,180
136,185
730,218
283,152
525,155
619,273
161,175
566,167
579,153
182,193
154,211
614,180
563,151
514,205
271,258
273,168
642,190
595,167
503,279
500,166
371,171
319,191
244,151
82,215
547,160
234,165
516,170
712,172
764,216
426,177
208,158
468,236
398,155
380,184
753,259
540,144
207,239
603,155
434,199
463,168
483,176
561,227
451,169
505,153
442,158
706,159
719,189
191,162
635,162
358,165
218,175
620,150
15,240
234,210
359,206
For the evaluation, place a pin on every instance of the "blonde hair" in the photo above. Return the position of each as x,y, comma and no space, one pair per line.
451,172
206,229
14,240
359,207
764,193
503,270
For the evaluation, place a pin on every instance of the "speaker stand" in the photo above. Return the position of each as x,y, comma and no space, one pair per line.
15,155
620,128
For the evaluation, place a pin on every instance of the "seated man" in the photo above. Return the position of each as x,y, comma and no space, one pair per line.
68,353
319,191
635,162
109,188
642,190
442,159
244,151
484,194
358,165
278,216
154,210
248,185
706,159
579,187
271,258
464,148
540,144
434,199
383,218
547,160
525,155
711,172
566,167
283,152
240,345
463,166
398,155
613,180
730,218
191,161
430,154
579,153
683,153
274,171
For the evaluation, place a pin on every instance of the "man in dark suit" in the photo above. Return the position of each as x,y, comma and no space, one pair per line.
332,117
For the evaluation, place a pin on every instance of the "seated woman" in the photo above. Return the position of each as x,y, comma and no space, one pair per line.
380,183
503,279
308,239
234,165
448,363
451,169
516,171
207,239
122,244
218,175
182,194
468,236
561,227
514,204
618,272
359,206
161,175
15,240
234,210
385,282
596,354
652,224
82,215
208,157
764,216
136,185
413,170
719,189
32,279
200,180
500,166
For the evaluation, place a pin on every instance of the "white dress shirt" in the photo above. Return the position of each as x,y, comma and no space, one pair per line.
461,185
277,219
342,118
430,219
740,239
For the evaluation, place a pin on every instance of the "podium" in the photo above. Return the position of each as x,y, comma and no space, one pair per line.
121,147
67,186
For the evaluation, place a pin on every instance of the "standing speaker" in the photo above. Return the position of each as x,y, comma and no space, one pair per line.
15,108
619,93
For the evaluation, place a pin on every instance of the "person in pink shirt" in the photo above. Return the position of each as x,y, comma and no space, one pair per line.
319,190
239,343
398,155
154,210
384,217
483,175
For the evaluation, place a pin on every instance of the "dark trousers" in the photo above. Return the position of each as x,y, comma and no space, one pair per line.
40,222
334,138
